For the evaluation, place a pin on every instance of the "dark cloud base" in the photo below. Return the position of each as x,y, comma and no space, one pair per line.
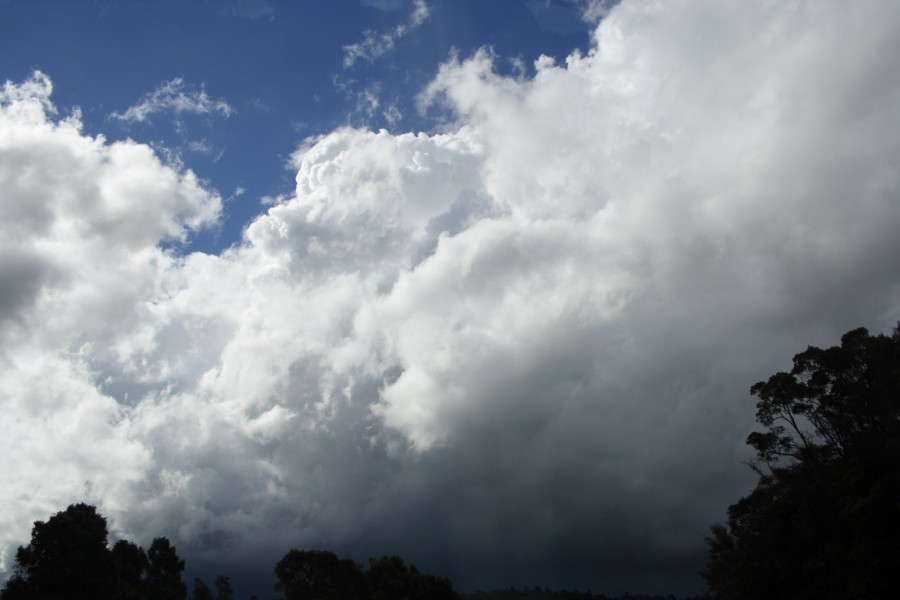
516,351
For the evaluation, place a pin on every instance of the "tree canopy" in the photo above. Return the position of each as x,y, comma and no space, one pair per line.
69,559
824,519
164,571
322,575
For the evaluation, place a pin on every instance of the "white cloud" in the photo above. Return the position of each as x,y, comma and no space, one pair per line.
81,223
175,97
593,11
375,44
206,147
541,322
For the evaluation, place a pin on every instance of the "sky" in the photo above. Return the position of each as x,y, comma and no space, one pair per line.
480,283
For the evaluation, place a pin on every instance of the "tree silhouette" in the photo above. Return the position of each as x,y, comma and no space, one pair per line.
318,575
164,572
824,519
67,558
321,575
130,565
224,591
201,591
388,578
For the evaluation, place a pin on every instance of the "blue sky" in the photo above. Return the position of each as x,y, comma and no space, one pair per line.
480,283
281,66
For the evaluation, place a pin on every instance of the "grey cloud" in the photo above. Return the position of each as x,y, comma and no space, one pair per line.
22,275
469,207
516,352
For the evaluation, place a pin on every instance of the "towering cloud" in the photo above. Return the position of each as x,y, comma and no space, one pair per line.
516,352
81,223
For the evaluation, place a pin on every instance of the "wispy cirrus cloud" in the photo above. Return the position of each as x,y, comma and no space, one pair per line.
175,96
375,44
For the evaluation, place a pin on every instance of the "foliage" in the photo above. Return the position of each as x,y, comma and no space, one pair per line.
321,575
130,564
224,591
318,575
69,559
539,593
201,591
389,578
824,519
163,579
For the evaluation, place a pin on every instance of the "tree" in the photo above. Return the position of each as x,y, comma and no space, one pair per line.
224,591
318,575
67,558
164,572
200,591
824,519
321,575
389,578
130,565
16,588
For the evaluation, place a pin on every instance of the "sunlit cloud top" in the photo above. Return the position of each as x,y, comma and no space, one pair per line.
513,347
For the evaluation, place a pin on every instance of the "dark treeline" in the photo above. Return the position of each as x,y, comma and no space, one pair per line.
539,593
69,558
822,523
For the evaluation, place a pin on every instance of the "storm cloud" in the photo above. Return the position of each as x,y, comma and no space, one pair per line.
515,351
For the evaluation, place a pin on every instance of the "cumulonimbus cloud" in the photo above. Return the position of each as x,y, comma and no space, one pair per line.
502,350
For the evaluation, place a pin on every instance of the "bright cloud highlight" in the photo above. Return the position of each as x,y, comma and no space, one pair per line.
523,341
